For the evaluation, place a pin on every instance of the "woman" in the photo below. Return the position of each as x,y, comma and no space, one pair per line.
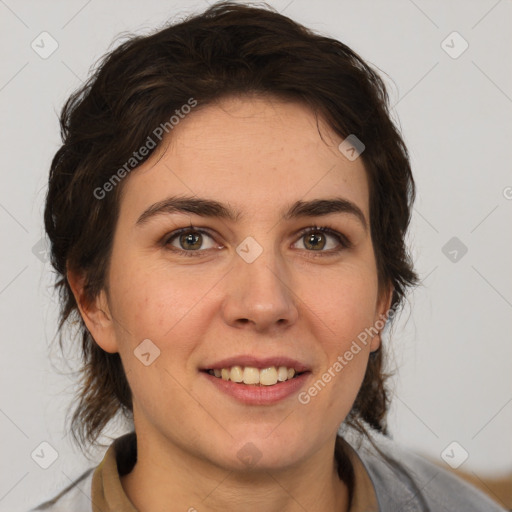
227,216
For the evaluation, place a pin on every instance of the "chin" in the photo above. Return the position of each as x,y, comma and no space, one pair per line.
263,452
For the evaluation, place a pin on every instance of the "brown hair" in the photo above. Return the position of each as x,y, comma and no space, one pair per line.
230,49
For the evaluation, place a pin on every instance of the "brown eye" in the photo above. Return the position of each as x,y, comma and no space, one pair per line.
324,240
314,240
189,241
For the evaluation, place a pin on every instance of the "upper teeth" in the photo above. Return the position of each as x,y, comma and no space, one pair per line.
251,375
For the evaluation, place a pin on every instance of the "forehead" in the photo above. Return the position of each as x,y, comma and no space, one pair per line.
255,153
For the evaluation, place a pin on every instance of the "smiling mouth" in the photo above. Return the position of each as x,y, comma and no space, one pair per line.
250,375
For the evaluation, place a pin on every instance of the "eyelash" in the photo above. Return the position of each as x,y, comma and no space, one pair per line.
342,239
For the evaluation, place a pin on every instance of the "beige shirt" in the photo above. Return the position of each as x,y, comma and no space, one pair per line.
108,494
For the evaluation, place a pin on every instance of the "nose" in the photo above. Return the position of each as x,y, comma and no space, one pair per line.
259,295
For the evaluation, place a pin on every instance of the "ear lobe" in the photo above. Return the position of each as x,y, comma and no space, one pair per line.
95,313
383,307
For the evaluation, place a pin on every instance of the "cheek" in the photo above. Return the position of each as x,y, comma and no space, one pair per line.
341,311
151,305
151,301
343,301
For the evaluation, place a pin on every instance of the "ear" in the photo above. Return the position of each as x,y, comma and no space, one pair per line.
381,315
95,313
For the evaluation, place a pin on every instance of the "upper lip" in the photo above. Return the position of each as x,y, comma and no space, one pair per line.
258,362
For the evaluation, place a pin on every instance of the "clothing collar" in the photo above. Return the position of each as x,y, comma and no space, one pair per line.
108,494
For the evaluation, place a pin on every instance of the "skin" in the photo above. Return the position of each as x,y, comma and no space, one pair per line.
259,155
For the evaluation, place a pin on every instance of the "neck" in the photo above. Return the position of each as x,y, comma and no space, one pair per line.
161,477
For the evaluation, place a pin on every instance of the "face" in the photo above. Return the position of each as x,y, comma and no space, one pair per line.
264,285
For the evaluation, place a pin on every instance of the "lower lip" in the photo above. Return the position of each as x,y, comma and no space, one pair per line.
258,395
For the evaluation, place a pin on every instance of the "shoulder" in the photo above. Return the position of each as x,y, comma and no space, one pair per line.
408,482
76,497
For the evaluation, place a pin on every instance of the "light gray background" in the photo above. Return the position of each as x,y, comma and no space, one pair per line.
451,349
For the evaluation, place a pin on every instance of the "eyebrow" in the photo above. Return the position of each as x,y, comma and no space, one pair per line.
211,208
